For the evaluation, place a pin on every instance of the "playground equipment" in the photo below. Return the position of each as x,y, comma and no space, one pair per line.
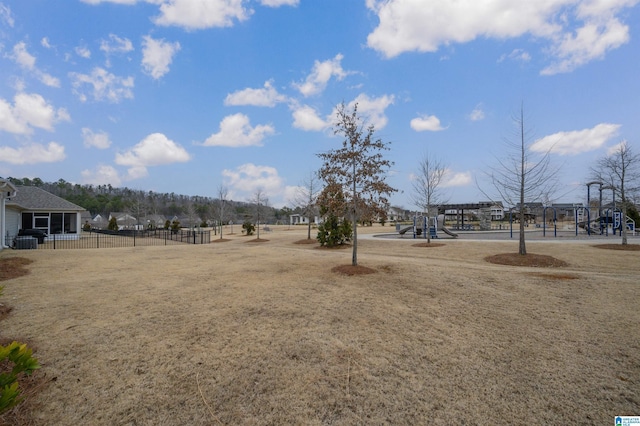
422,225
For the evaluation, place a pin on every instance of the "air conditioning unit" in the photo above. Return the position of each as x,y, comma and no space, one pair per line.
26,242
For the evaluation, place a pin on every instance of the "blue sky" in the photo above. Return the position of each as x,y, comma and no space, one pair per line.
186,95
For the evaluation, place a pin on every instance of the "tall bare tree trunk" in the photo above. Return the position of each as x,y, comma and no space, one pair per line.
522,248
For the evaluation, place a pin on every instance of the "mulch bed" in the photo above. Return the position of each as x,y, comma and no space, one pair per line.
428,245
626,247
556,276
257,240
530,260
220,240
12,267
353,270
306,241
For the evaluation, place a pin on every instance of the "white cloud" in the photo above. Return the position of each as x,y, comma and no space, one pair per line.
22,57
307,118
371,109
83,52
29,111
590,42
429,123
615,148
101,176
477,114
577,141
278,3
451,179
517,55
33,154
201,14
236,131
248,178
28,62
157,55
401,28
154,150
45,43
266,97
5,15
116,44
320,75
106,86
98,140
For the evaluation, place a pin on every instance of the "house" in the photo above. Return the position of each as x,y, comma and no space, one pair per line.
34,208
298,219
124,220
7,190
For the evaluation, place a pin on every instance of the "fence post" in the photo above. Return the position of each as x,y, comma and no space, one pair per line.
97,240
135,231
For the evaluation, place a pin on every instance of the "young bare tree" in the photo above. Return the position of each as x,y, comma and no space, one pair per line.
620,170
427,192
523,176
306,197
358,167
222,205
259,201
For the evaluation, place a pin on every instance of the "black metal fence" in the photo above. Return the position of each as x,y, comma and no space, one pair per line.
125,238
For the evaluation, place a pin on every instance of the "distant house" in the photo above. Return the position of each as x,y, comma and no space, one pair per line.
298,219
7,190
153,221
34,208
124,220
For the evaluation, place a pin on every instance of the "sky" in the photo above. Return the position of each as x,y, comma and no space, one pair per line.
186,96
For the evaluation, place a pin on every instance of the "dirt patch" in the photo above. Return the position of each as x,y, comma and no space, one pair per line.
559,276
220,240
306,241
433,245
13,267
626,247
257,240
4,311
353,270
338,247
529,259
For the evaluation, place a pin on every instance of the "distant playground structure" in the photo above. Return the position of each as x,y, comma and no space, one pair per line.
558,219
604,219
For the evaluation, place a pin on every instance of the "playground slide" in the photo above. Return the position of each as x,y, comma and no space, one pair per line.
404,230
443,228
447,231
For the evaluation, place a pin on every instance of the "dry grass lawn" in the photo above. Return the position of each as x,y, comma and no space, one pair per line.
267,333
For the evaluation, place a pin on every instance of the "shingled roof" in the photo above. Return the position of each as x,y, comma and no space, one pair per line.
34,198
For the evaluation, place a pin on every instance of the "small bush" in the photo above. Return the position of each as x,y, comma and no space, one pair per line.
113,224
20,356
175,226
333,232
248,228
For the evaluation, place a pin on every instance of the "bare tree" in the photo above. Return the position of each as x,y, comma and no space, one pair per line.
427,191
259,201
358,167
620,170
523,176
222,205
306,197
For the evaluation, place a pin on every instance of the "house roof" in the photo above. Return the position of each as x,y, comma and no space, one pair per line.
34,198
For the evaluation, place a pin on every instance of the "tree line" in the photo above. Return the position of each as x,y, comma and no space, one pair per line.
105,199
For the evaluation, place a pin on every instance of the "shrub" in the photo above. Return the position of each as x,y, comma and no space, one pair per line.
86,226
248,227
113,224
175,226
20,356
167,224
333,232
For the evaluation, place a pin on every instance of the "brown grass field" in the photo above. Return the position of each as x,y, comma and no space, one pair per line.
258,334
